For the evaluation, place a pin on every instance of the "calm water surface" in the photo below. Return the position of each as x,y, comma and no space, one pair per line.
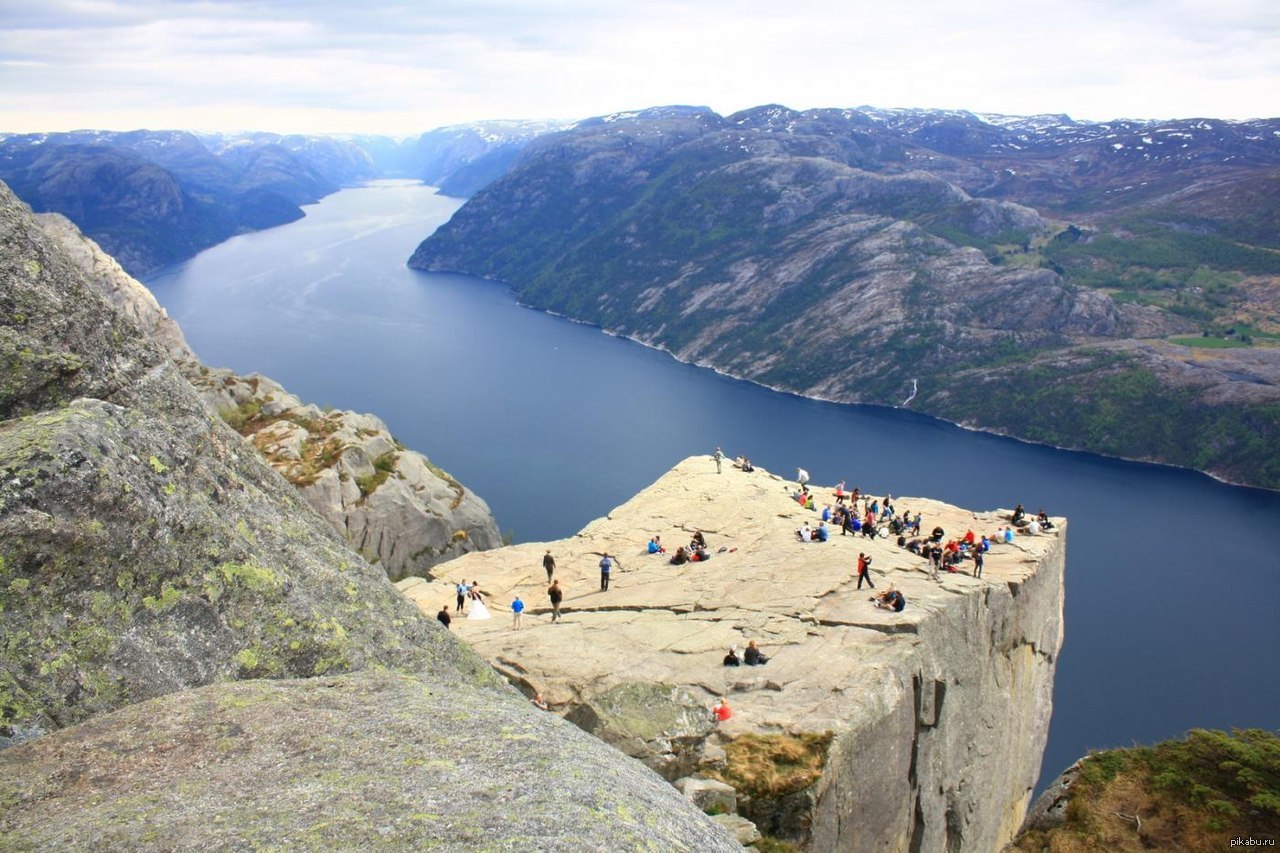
1173,605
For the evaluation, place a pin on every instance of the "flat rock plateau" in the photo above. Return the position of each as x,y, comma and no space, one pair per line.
940,712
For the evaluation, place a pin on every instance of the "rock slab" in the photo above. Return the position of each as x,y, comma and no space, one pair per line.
941,712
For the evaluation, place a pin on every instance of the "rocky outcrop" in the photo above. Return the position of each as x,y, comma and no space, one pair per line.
388,502
355,762
124,291
940,713
190,657
663,726
144,548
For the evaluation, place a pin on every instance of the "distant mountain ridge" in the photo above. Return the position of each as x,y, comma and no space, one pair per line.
1025,275
153,198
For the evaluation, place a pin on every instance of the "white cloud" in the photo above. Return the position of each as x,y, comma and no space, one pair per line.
405,67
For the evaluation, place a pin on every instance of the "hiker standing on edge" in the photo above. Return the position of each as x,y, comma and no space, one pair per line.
549,563
719,455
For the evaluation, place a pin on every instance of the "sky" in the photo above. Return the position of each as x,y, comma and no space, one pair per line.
401,68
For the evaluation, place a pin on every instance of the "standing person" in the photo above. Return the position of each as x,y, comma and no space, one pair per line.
977,562
463,589
556,594
444,616
864,571
549,563
719,454
517,609
606,566
802,477
935,560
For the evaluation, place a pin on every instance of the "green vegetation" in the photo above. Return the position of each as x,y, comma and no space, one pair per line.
1192,794
383,467
1199,276
1109,404
1205,342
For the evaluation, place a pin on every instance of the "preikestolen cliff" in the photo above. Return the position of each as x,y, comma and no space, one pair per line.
198,556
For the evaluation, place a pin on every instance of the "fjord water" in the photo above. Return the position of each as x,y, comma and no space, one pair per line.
1173,580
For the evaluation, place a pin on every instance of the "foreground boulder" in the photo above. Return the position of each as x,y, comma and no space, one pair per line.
371,760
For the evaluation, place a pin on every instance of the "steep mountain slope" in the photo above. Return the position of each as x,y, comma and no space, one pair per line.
833,254
464,158
154,198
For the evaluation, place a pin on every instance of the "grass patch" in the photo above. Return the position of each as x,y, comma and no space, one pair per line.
383,467
774,765
1192,794
1210,342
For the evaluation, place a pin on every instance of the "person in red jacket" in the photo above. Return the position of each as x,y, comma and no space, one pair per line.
720,711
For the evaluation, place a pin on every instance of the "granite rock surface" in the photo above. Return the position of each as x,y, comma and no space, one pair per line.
940,712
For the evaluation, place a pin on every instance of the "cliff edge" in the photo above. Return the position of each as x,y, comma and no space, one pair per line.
940,713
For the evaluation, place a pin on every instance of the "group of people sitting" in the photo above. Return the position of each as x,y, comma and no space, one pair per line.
870,523
1034,525
695,552
814,534
751,656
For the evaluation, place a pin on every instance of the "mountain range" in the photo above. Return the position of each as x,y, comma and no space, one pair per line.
1112,287
154,198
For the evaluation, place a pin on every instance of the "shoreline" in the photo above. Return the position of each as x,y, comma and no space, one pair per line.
820,399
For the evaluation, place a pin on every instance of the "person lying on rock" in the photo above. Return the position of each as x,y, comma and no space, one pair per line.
890,599
752,656
732,658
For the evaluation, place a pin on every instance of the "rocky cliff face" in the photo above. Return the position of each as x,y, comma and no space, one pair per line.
146,551
939,713
860,257
144,547
388,502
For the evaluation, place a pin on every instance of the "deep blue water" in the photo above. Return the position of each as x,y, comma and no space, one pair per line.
1173,604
